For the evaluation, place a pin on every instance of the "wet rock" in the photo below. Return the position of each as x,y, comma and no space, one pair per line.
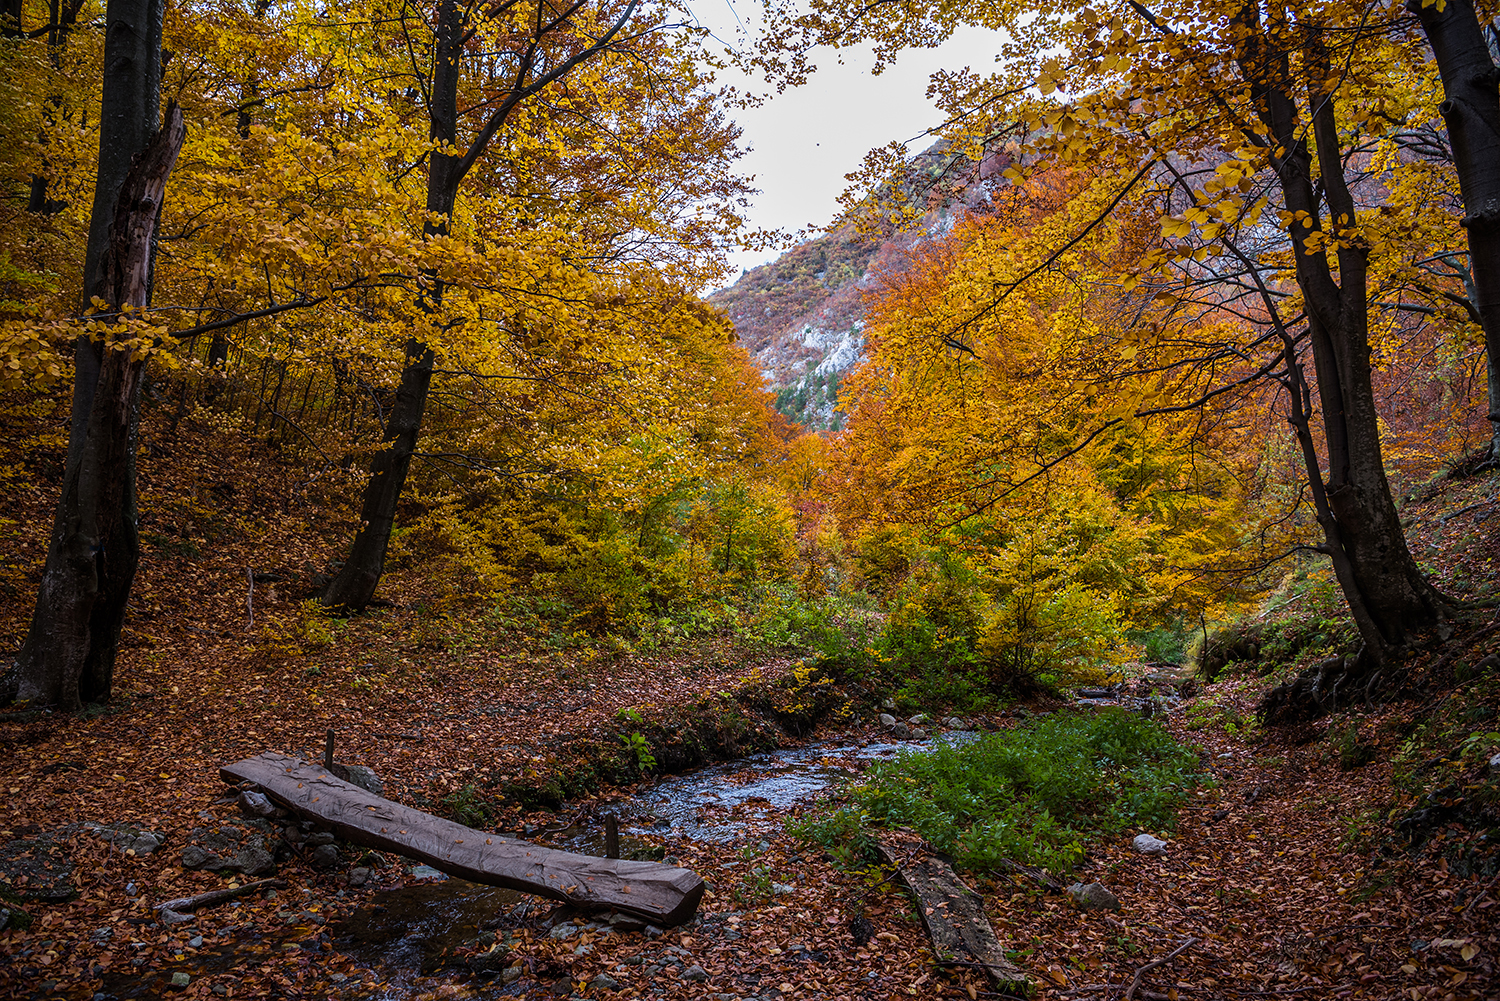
492,962
694,974
1147,845
359,876
255,804
427,872
324,857
604,982
1093,897
887,720
366,779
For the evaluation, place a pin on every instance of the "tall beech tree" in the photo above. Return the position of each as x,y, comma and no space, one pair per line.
69,654
542,42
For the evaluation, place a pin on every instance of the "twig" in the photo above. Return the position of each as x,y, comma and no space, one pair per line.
1135,983
175,911
250,596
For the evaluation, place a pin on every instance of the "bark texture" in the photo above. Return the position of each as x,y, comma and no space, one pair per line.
1471,110
69,654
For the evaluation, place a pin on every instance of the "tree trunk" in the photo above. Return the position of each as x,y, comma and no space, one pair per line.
1471,109
69,654
1389,598
354,586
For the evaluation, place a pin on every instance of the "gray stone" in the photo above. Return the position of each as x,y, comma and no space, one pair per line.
487,938
886,719
1093,897
197,857
321,838
324,857
652,931
889,704
604,982
1495,763
919,719
366,779
1147,845
254,804
564,932
625,922
901,731
145,844
359,876
254,862
427,872
694,974
953,723
196,942
511,975
782,889
181,980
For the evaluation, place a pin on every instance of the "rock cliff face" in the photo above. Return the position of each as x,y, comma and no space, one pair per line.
802,316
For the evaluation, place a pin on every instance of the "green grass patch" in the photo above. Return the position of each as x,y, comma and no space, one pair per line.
1033,794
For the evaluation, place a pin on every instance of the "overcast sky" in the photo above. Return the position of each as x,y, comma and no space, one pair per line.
804,141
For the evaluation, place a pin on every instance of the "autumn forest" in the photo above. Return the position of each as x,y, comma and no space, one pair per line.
1071,573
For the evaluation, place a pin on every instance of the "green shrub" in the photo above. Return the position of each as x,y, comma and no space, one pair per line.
1031,794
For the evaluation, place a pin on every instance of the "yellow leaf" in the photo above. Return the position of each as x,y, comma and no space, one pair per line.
1058,976
1469,951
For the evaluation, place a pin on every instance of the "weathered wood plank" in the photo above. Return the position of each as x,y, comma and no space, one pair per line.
952,913
663,894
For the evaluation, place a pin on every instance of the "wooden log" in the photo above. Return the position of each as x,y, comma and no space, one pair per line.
952,913
665,895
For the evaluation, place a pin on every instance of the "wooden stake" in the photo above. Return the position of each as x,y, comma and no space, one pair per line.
328,751
611,836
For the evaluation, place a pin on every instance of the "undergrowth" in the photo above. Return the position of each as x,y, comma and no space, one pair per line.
1033,794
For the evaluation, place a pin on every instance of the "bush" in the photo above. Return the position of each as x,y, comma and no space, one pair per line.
1030,795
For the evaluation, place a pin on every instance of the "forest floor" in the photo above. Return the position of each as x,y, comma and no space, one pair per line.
1288,873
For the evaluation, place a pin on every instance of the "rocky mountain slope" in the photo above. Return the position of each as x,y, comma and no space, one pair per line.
802,316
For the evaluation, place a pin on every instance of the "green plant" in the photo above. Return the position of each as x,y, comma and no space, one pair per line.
468,807
630,716
1031,794
640,748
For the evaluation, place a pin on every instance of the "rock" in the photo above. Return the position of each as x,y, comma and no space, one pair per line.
10,917
359,876
694,974
511,975
782,889
492,962
953,723
254,862
255,804
196,942
197,857
145,844
427,872
901,731
38,868
888,704
919,719
1093,897
564,932
1147,845
323,857
321,838
181,980
1495,763
604,982
366,779
625,922
887,720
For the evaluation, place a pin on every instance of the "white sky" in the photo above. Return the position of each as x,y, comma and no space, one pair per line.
802,142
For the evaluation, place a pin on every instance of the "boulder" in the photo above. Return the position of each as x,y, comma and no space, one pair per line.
325,857
366,779
901,731
887,720
1093,897
1147,845
254,804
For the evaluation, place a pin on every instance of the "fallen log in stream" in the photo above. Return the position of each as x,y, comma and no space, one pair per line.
663,894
